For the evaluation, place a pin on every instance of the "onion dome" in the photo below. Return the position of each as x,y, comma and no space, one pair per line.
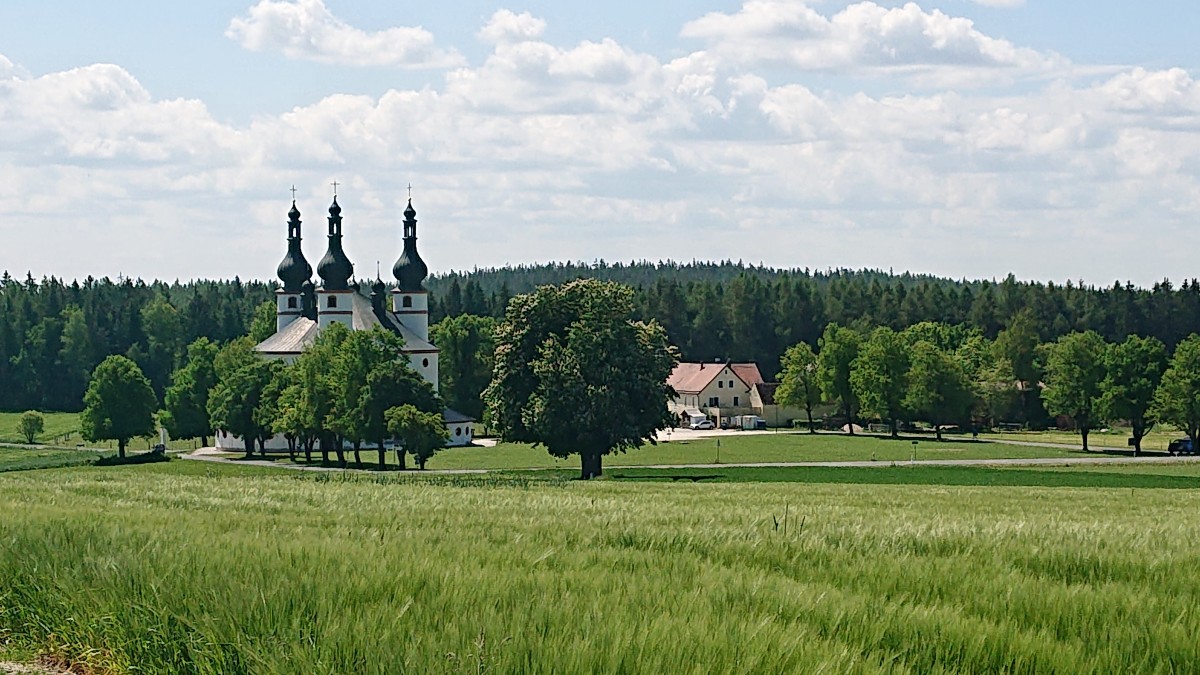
410,270
335,269
378,296
294,270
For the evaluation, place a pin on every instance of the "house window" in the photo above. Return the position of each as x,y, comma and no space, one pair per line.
458,431
714,402
332,301
291,303
407,301
424,363
731,384
720,385
735,402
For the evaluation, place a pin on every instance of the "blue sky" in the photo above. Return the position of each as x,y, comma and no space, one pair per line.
1057,140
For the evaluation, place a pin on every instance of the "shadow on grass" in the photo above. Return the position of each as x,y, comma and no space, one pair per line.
907,475
132,460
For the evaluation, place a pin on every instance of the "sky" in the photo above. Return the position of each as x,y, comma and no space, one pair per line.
961,138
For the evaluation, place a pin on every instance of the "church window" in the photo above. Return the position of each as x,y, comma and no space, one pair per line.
458,431
291,303
424,363
332,301
407,301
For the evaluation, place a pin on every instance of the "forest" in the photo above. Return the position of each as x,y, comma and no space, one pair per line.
54,332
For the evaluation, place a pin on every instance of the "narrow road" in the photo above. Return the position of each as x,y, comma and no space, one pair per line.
210,455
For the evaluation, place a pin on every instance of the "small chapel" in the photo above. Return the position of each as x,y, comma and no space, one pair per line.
304,309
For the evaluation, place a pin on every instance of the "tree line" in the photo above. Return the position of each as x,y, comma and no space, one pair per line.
54,333
955,375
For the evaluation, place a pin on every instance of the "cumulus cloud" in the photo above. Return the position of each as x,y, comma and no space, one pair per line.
599,150
862,37
306,29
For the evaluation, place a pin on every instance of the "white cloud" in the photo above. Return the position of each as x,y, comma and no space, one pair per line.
862,37
505,26
598,150
306,29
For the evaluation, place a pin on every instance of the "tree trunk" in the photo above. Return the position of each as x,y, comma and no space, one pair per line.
248,443
1139,432
812,427
590,465
937,431
895,428
357,456
382,456
340,448
400,453
203,441
262,446
308,443
121,448
1083,431
291,440
324,449
421,461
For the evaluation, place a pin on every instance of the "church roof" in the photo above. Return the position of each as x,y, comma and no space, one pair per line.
292,339
302,332
452,416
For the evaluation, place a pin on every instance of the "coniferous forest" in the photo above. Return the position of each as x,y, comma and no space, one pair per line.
54,332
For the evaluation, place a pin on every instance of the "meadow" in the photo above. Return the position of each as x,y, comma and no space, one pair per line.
190,567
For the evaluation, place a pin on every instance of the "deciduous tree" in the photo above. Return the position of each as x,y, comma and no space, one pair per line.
577,374
32,424
799,385
421,433
838,347
1177,400
1133,370
185,413
119,403
879,376
938,389
1074,372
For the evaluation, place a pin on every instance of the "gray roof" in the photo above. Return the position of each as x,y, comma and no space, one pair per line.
301,333
452,416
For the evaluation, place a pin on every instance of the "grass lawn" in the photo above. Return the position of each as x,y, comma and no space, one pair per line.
746,448
61,428
1156,440
190,567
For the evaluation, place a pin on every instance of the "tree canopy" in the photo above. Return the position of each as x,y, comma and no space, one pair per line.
1074,374
577,374
119,403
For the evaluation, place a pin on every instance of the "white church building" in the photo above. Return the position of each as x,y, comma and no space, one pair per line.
303,310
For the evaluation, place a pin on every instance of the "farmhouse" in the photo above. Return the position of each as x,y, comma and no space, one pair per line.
303,310
716,390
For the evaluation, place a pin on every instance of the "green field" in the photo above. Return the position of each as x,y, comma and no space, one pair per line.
25,459
190,567
61,428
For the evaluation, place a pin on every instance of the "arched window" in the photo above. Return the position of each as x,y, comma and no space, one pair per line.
458,431
407,301
424,363
332,301
291,303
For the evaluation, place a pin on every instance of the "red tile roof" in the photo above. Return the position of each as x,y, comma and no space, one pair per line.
692,378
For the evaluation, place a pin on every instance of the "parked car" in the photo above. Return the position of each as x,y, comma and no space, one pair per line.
1181,446
702,424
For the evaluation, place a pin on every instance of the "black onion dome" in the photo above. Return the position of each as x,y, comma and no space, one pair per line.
410,270
378,287
294,270
335,269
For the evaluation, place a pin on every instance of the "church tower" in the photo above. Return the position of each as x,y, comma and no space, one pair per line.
335,299
410,300
294,271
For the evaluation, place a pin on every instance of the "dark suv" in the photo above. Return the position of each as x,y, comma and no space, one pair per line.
1181,446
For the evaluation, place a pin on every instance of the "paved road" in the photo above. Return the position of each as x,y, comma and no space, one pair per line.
209,455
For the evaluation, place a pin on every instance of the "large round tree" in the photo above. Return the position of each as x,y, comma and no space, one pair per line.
576,373
119,403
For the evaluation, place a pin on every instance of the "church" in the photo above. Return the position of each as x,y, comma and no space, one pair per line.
303,309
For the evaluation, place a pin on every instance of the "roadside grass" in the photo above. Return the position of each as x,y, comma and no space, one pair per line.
190,567
738,448
26,459
1156,440
924,475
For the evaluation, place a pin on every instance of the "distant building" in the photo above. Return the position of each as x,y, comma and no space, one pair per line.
714,390
304,310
